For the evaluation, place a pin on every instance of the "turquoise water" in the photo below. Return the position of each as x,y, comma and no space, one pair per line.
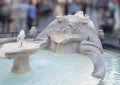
59,69
48,69
112,68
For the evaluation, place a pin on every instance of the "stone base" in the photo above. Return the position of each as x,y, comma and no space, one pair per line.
21,65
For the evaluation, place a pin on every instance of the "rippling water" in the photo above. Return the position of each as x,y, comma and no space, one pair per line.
112,62
54,69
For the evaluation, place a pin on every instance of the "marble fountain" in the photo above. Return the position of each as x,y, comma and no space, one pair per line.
71,43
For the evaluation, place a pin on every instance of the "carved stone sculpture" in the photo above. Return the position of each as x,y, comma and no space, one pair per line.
74,34
20,55
33,32
66,34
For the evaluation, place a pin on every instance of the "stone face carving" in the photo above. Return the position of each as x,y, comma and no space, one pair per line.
33,32
76,34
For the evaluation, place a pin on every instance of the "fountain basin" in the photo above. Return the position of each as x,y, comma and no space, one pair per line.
20,55
50,68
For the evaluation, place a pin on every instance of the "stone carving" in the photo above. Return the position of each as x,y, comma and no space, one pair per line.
18,51
74,34
20,55
101,35
33,32
66,34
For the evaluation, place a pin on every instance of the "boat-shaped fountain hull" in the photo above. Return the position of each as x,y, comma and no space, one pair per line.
75,34
66,34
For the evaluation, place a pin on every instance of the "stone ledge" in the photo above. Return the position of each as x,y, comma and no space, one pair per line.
7,40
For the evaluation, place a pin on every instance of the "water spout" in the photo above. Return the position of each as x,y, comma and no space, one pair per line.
21,37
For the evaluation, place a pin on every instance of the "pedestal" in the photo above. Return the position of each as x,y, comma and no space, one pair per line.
21,64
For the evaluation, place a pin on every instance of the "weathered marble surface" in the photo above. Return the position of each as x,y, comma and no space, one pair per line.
20,55
66,34
77,34
33,32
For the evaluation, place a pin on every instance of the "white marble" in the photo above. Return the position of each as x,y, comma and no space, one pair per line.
19,54
66,34
76,34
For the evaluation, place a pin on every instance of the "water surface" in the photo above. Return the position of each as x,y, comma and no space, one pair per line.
49,68
60,69
112,62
